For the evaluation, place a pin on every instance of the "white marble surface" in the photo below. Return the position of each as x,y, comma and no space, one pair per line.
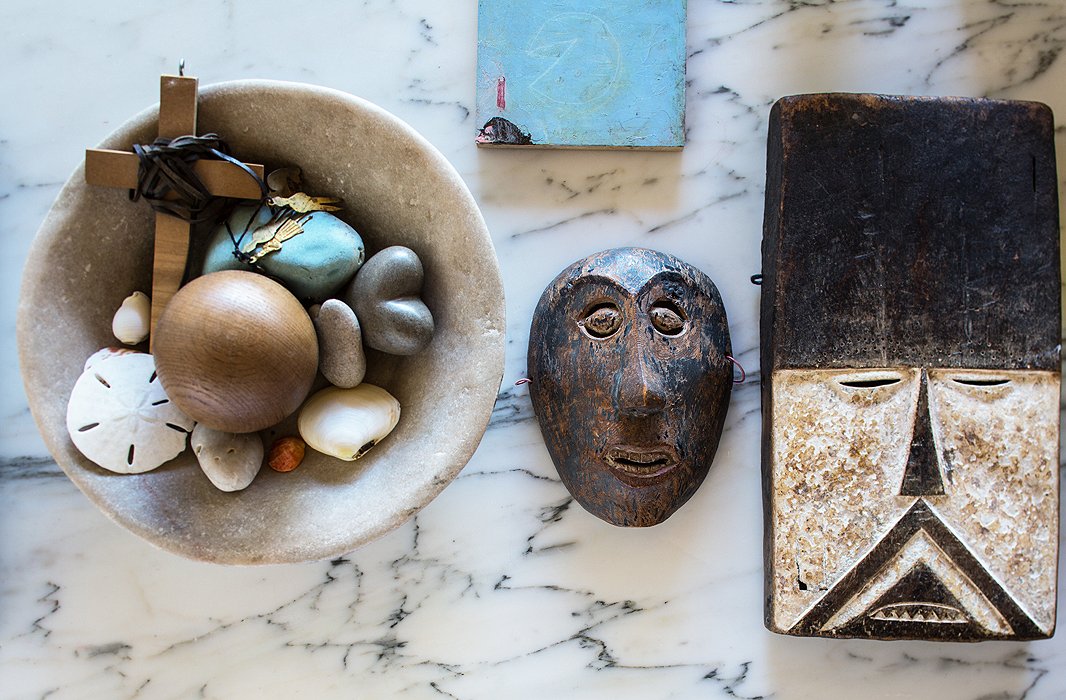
502,587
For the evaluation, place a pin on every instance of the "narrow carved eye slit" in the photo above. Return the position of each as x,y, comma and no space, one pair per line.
667,318
871,383
602,321
991,381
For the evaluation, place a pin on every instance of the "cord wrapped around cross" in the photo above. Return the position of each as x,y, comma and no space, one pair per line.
175,186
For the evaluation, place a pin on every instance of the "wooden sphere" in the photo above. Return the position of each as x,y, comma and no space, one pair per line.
236,351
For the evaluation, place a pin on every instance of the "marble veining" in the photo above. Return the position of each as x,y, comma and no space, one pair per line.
503,587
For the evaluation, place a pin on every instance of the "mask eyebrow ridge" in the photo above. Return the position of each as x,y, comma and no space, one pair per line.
665,278
572,287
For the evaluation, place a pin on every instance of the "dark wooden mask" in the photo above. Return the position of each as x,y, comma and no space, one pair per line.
631,381
910,365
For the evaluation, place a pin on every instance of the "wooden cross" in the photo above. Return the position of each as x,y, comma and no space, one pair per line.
177,117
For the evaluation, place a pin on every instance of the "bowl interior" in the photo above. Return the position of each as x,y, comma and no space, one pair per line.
95,247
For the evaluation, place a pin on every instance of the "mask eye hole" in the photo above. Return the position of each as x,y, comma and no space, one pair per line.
870,383
602,321
971,381
668,318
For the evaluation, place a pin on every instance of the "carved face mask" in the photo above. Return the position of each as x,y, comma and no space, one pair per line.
910,365
630,381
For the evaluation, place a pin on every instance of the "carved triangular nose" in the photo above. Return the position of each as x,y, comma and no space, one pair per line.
922,476
638,386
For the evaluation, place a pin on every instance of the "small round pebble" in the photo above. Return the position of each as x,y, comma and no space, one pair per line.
230,460
340,344
286,454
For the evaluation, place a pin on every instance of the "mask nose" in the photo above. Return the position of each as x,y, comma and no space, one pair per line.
922,475
638,386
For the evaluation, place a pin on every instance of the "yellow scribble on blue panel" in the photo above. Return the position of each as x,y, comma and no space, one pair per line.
580,74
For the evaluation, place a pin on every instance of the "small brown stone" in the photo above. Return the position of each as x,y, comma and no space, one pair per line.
286,454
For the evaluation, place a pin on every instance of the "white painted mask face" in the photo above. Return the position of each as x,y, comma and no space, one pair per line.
903,499
911,337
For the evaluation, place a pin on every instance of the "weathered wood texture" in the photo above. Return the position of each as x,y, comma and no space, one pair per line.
631,381
910,365
905,230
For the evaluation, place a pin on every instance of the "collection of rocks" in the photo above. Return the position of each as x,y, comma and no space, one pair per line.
121,417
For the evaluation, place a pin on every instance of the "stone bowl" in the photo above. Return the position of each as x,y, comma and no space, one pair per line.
95,247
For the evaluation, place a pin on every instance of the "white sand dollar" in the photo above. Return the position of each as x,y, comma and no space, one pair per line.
105,353
347,423
120,417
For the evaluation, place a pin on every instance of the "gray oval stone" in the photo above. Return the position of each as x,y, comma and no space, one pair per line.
385,295
340,344
230,460
312,265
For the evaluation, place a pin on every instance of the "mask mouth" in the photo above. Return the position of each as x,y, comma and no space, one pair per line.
937,613
640,463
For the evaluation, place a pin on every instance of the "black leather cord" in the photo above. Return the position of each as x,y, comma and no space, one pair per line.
167,181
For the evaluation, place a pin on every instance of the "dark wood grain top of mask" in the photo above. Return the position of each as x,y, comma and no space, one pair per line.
908,231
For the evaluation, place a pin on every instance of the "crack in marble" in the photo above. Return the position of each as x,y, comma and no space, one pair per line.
512,407
688,216
729,685
463,109
119,649
29,468
609,211
52,600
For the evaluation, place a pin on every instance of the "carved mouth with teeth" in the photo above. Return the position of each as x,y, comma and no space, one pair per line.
640,464
937,613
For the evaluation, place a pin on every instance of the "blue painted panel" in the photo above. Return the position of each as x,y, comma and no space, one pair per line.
581,73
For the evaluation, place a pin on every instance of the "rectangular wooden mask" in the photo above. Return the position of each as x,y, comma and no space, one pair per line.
910,364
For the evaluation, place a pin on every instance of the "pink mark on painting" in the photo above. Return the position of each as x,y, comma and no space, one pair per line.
501,93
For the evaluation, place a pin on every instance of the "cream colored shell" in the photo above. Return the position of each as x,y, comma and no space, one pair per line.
131,322
120,418
347,423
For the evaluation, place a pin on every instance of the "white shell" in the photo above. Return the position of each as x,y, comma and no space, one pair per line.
230,460
104,353
120,418
131,321
346,423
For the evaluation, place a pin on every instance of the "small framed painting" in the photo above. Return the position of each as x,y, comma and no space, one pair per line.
592,74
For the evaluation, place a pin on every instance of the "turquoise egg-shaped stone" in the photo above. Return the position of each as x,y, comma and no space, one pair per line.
313,265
